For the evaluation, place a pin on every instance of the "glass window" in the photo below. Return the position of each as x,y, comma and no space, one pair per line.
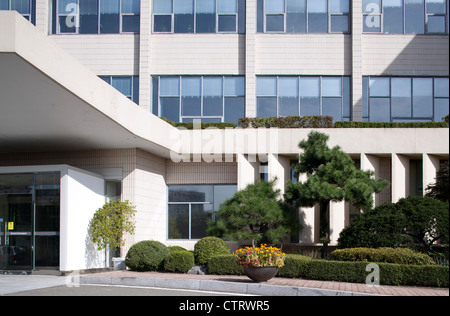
67,16
89,17
309,96
288,97
178,221
227,15
422,97
191,103
124,85
401,97
441,107
380,110
191,207
365,96
4,4
234,109
234,86
332,107
131,16
436,6
110,16
21,6
379,87
205,16
346,101
170,86
170,108
393,16
266,86
266,106
436,24
296,16
340,16
274,6
441,86
318,16
371,16
212,96
331,87
414,17
162,6
184,16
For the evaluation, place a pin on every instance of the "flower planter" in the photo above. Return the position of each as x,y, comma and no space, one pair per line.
262,274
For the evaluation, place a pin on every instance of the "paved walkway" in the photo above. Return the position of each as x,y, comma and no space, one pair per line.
241,284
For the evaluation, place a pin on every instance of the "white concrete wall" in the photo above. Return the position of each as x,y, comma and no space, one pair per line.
82,194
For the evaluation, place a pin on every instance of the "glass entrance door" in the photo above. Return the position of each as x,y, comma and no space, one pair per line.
29,221
16,211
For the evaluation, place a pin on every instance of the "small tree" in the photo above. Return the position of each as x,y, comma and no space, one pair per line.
254,213
111,222
440,189
331,176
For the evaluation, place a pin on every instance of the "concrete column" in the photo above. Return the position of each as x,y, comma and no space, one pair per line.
43,15
145,79
356,60
431,166
400,177
279,168
372,163
337,220
246,171
250,59
309,218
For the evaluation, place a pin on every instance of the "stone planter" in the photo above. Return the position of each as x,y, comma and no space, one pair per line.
119,263
260,274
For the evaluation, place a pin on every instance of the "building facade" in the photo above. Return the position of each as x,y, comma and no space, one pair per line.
82,84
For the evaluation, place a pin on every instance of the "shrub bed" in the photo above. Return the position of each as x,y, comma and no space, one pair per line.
297,266
209,247
224,265
387,255
146,255
179,261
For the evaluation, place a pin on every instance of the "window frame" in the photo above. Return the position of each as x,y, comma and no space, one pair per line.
133,86
189,204
412,118
194,31
31,17
284,14
321,97
426,16
187,118
99,32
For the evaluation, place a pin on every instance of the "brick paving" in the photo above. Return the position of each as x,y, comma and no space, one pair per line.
327,285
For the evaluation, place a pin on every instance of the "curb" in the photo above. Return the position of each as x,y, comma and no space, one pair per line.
214,286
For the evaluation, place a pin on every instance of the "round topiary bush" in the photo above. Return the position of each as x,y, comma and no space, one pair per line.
176,248
209,247
179,261
146,255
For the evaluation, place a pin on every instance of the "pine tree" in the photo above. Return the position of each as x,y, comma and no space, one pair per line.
331,176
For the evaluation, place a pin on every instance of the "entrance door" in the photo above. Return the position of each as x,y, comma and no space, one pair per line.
16,211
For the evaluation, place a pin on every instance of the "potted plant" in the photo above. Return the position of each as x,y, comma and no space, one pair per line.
260,263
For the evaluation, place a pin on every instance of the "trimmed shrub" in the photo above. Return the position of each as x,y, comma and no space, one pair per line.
387,255
390,125
208,247
224,265
294,266
179,261
176,248
146,255
287,122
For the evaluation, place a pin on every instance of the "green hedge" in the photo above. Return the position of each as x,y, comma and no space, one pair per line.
287,122
209,247
190,126
297,266
224,265
179,261
390,125
386,255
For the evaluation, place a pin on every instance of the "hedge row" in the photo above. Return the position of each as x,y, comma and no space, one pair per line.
287,122
386,255
306,122
297,266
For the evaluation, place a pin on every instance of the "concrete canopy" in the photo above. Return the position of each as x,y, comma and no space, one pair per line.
49,101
